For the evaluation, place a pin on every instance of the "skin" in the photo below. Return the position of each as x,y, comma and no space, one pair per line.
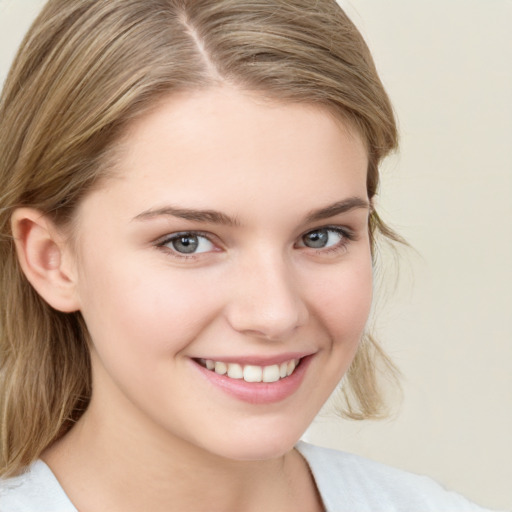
255,290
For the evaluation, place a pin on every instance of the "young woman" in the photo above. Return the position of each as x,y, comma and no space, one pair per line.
187,237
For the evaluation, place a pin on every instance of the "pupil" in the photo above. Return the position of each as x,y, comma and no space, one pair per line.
186,244
317,239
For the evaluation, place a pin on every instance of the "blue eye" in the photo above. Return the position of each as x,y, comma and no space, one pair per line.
323,238
188,243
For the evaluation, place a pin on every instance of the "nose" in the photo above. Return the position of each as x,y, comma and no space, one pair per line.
266,300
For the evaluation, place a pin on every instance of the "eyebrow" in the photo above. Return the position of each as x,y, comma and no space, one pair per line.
208,216
216,217
351,203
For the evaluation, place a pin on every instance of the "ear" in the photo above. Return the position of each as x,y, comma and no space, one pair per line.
45,258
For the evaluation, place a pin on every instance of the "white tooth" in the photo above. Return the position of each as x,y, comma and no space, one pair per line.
252,373
210,364
271,373
235,371
291,366
283,369
220,368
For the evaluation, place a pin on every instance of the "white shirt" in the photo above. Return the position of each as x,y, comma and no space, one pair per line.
36,490
350,483
346,482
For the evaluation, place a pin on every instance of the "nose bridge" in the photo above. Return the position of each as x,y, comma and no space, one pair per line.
266,301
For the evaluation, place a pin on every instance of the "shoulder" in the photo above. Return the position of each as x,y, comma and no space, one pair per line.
352,483
36,490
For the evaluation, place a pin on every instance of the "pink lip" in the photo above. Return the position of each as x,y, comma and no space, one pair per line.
258,392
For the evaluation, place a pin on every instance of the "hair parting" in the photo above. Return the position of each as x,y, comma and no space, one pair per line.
84,72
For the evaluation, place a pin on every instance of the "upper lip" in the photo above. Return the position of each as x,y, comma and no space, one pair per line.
258,360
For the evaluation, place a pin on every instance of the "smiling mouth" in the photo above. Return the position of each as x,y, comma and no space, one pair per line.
249,372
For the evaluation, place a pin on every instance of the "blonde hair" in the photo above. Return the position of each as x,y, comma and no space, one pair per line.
84,71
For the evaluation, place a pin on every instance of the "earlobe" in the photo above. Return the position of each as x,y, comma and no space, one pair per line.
43,256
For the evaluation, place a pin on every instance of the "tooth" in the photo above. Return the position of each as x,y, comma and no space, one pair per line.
283,369
291,366
252,373
271,373
235,371
210,364
220,368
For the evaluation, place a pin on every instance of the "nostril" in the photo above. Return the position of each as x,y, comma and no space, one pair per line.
268,323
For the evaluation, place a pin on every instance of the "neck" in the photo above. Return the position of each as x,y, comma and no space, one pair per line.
105,463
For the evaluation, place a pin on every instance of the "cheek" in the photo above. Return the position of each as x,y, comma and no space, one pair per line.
343,302
145,315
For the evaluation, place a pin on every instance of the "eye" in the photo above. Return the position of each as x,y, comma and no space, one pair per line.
324,238
188,243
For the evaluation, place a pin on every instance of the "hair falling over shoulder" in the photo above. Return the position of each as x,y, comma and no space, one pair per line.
85,70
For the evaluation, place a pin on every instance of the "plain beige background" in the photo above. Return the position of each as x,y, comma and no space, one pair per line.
447,65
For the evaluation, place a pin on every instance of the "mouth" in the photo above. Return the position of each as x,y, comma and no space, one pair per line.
272,380
251,373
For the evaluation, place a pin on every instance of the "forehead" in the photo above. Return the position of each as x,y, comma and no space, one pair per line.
222,144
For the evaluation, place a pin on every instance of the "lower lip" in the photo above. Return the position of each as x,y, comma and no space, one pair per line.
258,392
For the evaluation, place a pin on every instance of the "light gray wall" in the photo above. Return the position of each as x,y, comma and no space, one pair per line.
448,67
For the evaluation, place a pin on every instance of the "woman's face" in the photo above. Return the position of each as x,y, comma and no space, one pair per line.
233,237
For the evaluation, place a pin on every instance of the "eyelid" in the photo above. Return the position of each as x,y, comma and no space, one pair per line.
343,230
176,234
348,235
162,241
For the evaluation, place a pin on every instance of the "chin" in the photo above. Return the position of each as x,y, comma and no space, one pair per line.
251,445
258,451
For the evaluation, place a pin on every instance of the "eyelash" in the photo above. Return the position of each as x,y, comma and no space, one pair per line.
345,233
347,236
161,243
